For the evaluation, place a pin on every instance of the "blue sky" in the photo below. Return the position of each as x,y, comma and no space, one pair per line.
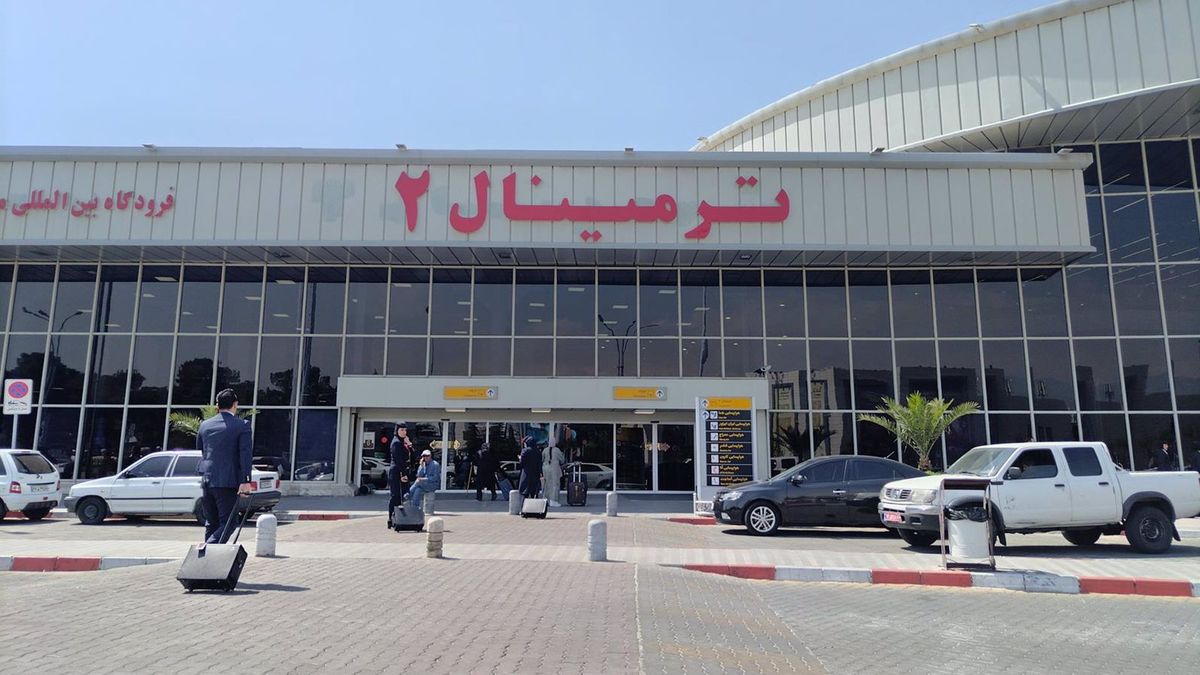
533,75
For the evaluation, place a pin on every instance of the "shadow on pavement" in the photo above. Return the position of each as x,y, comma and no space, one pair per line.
1098,551
816,534
281,588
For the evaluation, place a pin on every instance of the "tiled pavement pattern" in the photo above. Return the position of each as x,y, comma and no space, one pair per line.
881,629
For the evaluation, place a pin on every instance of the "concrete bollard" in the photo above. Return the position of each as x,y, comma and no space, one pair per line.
427,504
610,504
597,540
435,529
514,503
264,535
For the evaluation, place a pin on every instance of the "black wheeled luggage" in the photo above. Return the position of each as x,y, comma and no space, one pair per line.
577,489
407,517
215,567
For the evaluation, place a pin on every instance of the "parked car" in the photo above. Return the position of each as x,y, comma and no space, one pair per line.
832,491
1073,488
29,483
598,476
374,472
159,484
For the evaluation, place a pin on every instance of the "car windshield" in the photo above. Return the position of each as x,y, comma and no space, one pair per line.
32,462
982,461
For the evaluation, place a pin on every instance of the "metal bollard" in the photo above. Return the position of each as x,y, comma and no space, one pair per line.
435,531
514,503
610,504
264,535
427,504
597,540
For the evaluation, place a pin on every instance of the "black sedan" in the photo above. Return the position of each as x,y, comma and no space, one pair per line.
838,491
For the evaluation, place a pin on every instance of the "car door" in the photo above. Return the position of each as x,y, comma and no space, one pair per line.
1040,495
1093,495
815,494
139,489
864,479
181,488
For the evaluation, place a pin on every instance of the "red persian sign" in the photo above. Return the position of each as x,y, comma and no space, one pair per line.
44,200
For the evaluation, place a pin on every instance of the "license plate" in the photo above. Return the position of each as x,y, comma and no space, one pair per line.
264,484
892,517
39,488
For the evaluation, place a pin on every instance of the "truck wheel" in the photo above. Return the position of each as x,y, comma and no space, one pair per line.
91,511
762,518
1148,530
36,513
1083,537
917,539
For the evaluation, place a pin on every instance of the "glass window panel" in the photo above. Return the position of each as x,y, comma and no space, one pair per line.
1121,167
1149,432
788,374
1010,428
58,437
145,432
406,356
284,300
1097,375
589,444
741,298
658,294
676,457
1096,236
700,303
659,357
242,302
790,441
635,457
75,299
616,358
493,302
273,441
954,292
316,444
1189,441
959,370
200,299
826,295
1169,165
325,300
277,370
534,302
743,356
1091,175
321,364
999,303
1135,290
364,356
367,306
115,299
178,440
31,302
916,364
1176,231
65,367
150,376
25,359
875,441
1045,307
110,369
1110,429
829,370
1128,229
533,357
193,370
448,356
701,358
616,313
101,445
1146,382
409,302
783,292
872,373
1050,373
833,433
965,433
491,356
1091,302
869,304
1005,375
1050,428
236,361
576,302
912,303
1181,297
157,299
6,280
575,357
1185,364
25,424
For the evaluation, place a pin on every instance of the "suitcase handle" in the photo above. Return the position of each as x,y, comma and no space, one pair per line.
245,515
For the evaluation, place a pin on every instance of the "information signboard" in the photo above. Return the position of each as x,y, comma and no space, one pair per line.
724,445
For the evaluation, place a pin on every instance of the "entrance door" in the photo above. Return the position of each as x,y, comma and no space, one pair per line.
676,457
635,457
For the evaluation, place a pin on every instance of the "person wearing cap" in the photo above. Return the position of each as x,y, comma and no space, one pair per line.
429,478
401,451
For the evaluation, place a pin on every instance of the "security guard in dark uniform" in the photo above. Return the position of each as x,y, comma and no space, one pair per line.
401,451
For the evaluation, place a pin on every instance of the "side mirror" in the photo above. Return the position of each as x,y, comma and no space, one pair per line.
797,479
1014,472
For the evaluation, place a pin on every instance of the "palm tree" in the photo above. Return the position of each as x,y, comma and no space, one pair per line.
189,423
919,422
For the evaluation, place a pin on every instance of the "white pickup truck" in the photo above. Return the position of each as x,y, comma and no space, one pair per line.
1074,488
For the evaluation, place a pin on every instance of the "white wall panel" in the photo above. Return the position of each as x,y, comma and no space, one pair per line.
919,226
931,119
910,95
1029,59
1078,59
894,104
989,82
947,83
1181,52
270,183
1054,67
352,202
1151,44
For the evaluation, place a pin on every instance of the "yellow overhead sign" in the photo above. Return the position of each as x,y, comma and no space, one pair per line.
726,403
639,393
469,393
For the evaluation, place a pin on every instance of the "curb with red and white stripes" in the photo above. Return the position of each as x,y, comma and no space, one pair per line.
1032,582
36,563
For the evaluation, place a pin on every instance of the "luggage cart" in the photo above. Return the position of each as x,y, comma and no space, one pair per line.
981,487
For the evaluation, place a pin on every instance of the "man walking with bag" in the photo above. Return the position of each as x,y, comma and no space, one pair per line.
225,468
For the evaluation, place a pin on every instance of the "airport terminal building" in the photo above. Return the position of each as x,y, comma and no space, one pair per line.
1007,215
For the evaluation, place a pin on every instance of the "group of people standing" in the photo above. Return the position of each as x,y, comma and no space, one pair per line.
541,472
411,475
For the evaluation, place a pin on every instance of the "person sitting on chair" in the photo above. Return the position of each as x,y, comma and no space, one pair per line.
429,478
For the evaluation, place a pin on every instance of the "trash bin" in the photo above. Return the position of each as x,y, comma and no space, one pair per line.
968,532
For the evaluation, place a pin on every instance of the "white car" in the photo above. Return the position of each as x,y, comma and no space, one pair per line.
28,483
159,484
597,476
374,472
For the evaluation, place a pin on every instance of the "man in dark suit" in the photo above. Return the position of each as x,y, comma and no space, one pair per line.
225,441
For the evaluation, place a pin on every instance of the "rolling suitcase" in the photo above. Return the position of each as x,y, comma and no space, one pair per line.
577,488
216,567
535,507
406,517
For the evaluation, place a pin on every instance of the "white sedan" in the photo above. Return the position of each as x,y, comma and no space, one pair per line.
159,484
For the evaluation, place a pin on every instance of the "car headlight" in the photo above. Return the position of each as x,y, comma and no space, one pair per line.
923,496
731,496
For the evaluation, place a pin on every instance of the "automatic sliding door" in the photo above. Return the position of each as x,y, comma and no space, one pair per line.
588,447
635,457
676,457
